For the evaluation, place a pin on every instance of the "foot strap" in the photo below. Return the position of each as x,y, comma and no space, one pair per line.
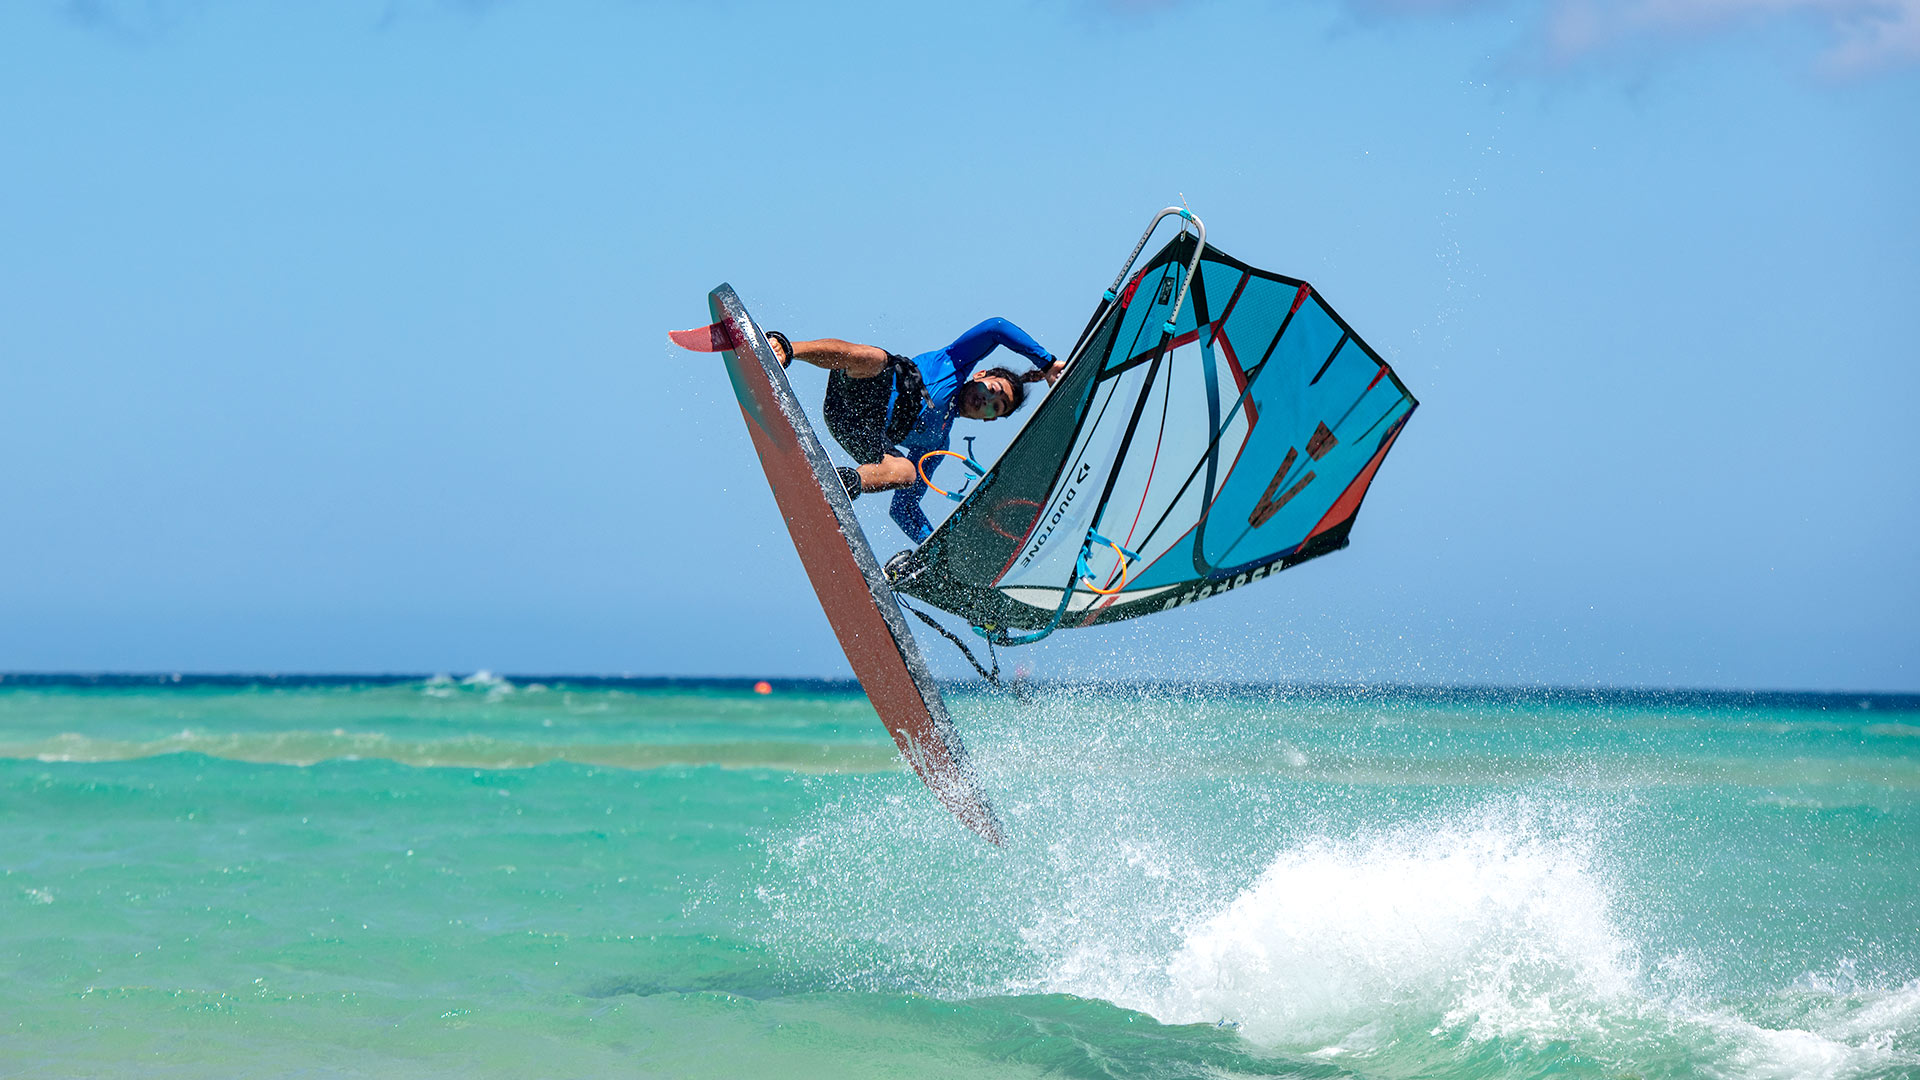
786,347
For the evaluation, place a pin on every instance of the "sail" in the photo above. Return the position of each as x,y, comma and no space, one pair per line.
1168,466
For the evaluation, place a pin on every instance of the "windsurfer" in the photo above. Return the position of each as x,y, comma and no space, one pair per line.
889,410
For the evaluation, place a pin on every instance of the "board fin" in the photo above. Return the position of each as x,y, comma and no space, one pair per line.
703,339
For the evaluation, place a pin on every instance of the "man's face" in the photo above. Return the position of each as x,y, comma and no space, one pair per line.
986,397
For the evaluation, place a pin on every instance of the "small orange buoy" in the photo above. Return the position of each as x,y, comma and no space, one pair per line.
763,687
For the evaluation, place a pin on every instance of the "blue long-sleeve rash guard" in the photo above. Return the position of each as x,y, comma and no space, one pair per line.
945,371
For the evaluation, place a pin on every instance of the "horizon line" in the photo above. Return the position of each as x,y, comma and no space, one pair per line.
1898,699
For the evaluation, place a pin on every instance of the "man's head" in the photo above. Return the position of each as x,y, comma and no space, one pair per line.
991,394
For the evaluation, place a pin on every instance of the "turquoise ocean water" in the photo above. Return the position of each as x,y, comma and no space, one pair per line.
487,878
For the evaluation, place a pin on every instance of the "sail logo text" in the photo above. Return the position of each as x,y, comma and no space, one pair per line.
1215,588
1059,513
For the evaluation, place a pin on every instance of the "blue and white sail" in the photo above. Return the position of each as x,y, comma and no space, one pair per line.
1217,423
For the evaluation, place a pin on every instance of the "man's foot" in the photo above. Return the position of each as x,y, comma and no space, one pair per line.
898,565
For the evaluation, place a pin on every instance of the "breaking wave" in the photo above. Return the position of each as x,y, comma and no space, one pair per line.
1491,937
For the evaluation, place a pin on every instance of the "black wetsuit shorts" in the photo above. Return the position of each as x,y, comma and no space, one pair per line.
869,417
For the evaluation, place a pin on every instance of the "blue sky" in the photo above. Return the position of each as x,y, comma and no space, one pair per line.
332,337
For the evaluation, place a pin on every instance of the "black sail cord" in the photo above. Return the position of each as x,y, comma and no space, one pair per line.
992,677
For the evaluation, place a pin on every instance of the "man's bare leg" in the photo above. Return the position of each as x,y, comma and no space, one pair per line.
858,361
893,471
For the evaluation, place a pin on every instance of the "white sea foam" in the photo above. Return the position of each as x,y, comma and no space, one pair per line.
1500,925
1843,1032
1508,931
1491,927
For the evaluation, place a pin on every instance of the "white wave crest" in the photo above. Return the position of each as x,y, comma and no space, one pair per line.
1493,927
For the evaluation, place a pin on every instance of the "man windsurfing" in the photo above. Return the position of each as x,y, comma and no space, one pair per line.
888,410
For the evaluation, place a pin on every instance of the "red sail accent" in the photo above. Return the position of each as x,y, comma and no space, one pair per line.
1226,349
1239,374
1187,338
1300,297
1348,503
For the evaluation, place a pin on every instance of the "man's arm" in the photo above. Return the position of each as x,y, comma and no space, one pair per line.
973,346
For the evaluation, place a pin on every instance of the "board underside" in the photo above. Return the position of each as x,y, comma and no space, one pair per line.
853,590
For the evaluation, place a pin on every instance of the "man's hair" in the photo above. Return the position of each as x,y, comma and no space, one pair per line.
1018,382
